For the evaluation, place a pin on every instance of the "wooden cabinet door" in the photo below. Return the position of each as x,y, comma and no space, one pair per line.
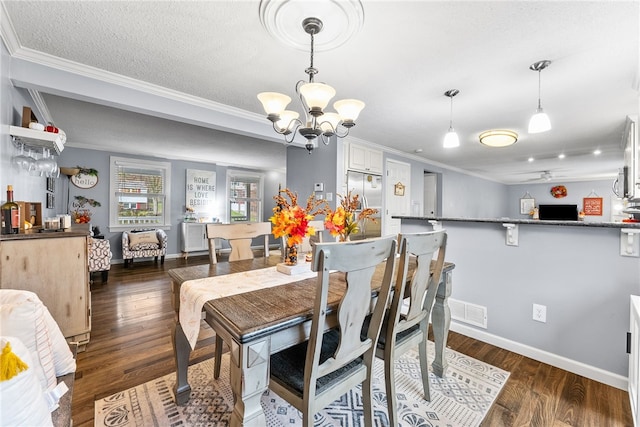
365,159
375,161
194,237
357,157
56,270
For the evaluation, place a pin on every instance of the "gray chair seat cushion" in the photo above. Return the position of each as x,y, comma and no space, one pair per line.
382,340
287,366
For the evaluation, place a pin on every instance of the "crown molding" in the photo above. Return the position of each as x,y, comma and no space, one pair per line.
7,31
41,106
108,77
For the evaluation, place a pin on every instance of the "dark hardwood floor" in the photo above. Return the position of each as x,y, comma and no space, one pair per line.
131,344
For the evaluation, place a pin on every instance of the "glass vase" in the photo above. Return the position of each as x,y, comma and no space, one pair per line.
291,255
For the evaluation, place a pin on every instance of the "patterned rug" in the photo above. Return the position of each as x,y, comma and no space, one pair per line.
462,398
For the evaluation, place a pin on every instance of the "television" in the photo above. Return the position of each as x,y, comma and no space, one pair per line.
558,212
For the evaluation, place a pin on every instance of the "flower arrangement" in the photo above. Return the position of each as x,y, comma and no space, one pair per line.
291,220
343,221
80,214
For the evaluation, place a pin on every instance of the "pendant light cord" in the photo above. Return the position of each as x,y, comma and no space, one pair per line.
539,88
451,114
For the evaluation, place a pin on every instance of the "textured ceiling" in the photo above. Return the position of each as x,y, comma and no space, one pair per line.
406,55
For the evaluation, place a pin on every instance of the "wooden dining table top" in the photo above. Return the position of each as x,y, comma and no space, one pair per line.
183,274
263,312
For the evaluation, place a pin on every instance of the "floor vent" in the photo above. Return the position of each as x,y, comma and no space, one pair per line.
466,312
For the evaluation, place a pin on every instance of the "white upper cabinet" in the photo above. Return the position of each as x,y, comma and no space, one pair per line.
365,159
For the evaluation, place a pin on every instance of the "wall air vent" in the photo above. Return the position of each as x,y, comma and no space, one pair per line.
466,312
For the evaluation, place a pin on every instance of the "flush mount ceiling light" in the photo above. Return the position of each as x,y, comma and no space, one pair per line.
539,121
314,98
498,138
451,139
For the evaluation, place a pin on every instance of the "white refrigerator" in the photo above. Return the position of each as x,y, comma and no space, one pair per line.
369,188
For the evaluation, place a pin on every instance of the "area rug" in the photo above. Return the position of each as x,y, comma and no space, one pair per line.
461,398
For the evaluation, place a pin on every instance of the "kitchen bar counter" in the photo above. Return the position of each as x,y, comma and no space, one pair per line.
581,273
81,230
527,221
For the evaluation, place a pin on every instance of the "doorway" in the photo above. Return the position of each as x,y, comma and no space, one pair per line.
430,195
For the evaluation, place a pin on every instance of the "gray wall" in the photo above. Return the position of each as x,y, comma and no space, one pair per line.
99,160
577,272
576,191
459,194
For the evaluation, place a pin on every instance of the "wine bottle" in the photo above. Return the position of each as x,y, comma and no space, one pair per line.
10,214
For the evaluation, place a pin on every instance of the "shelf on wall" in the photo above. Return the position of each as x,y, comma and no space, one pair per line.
38,138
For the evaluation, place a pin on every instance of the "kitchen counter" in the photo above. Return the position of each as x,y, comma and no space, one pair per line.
582,272
527,221
74,231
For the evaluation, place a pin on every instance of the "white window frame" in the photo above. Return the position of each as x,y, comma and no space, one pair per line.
236,173
116,162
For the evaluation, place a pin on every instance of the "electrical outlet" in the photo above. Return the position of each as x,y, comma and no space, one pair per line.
540,313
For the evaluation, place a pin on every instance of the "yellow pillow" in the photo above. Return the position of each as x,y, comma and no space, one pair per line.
140,238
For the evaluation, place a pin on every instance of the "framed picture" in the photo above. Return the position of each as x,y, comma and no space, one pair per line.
51,185
398,189
527,205
592,206
200,190
51,201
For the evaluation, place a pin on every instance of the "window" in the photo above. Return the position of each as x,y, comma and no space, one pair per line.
245,196
140,192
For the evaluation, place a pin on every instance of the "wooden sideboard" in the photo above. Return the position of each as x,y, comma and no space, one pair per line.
55,267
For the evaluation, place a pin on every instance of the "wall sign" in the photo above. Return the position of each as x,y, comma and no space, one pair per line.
86,178
200,190
527,204
592,206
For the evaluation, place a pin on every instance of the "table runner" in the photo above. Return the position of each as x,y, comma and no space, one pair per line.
195,293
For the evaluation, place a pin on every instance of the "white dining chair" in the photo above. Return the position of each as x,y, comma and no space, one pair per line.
239,236
406,322
316,372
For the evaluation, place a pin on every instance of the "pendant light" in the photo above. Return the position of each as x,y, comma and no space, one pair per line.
539,121
451,139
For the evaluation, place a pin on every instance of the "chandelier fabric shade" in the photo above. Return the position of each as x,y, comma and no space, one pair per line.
315,97
539,122
498,138
274,103
451,139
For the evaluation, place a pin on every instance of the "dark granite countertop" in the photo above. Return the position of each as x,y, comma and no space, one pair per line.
35,233
528,221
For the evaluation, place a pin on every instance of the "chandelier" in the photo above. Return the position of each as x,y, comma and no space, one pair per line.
317,123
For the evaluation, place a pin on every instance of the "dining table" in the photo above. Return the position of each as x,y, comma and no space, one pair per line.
259,311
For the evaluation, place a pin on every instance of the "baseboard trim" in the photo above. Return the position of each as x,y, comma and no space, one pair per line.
579,368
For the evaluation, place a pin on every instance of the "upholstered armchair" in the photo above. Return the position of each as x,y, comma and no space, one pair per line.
100,257
142,244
